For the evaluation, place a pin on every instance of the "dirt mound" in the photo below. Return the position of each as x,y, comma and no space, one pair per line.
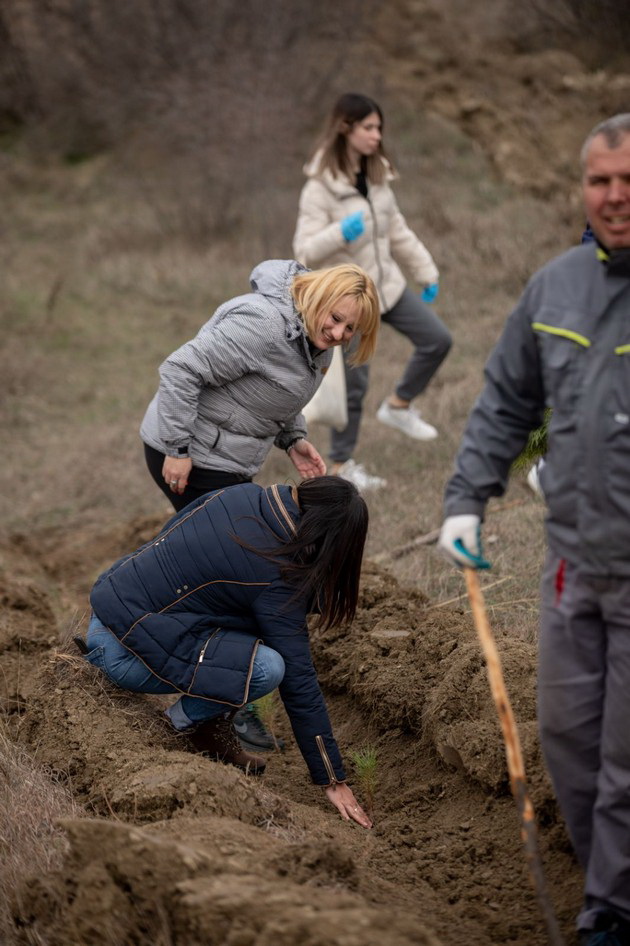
215,895
177,849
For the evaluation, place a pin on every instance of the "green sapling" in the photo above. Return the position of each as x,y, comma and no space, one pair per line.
266,708
365,765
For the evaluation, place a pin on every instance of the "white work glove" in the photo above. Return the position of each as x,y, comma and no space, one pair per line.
460,540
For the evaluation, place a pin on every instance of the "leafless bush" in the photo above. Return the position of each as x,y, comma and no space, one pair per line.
597,30
208,104
31,843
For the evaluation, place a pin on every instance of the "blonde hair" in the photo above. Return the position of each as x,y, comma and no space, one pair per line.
316,293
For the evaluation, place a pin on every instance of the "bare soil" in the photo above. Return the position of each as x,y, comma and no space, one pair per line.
174,848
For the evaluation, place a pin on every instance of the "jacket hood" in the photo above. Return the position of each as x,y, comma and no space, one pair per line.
338,183
273,279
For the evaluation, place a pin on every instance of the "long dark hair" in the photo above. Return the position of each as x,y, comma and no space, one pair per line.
347,111
323,559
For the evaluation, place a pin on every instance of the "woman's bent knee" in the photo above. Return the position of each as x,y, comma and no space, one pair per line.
269,669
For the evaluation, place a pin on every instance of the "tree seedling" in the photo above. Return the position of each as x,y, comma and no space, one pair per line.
266,708
366,765
536,446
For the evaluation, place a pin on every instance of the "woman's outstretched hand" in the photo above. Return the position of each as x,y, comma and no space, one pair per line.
340,795
175,473
306,460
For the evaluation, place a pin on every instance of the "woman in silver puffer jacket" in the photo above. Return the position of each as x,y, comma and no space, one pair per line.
237,389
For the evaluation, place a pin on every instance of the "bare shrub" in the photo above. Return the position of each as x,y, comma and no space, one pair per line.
203,68
597,30
31,843
207,104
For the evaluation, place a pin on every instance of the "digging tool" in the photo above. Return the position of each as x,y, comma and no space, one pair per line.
513,753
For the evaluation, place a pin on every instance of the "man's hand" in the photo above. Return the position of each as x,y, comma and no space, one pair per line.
306,460
460,540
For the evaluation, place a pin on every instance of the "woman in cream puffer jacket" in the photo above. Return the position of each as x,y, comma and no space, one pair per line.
348,213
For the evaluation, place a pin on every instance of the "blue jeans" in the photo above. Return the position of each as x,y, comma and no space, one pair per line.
130,673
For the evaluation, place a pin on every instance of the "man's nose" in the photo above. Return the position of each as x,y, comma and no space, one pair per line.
617,191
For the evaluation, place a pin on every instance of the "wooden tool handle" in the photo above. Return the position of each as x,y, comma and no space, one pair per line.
514,755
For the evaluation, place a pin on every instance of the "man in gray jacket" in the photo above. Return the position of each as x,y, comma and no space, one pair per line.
567,346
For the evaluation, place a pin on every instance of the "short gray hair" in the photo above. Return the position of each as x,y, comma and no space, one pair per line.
613,129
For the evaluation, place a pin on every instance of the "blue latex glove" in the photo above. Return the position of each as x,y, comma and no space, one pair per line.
429,293
352,226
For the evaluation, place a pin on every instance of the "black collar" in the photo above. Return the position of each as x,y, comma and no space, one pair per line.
617,262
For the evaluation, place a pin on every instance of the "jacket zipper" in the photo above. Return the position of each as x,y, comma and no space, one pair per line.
326,760
205,646
376,249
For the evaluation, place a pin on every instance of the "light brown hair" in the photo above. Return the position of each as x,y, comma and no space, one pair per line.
332,146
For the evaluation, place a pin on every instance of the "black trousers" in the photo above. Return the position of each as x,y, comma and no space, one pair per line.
200,481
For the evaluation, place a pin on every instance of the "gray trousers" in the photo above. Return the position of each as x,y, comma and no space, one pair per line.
584,718
431,340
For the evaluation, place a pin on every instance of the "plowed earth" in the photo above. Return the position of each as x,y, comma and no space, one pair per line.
171,848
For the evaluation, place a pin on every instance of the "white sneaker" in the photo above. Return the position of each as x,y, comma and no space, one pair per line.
406,419
357,474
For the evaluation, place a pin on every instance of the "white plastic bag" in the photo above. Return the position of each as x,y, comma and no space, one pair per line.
329,404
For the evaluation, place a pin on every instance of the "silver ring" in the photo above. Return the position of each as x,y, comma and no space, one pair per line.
355,809
173,482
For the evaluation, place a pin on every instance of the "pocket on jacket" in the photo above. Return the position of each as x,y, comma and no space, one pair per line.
247,451
224,667
562,361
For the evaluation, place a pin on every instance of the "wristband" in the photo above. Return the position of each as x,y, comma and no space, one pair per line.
292,444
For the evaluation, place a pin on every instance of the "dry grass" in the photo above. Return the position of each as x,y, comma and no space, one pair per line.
32,800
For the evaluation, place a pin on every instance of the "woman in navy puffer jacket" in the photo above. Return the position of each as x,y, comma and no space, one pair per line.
214,608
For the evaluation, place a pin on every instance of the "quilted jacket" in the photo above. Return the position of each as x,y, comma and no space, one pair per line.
237,388
167,600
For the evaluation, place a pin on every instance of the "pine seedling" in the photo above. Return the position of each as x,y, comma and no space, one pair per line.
365,765
266,708
536,446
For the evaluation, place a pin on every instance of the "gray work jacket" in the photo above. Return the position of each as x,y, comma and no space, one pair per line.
238,388
566,346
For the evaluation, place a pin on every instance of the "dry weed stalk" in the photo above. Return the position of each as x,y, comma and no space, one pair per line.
493,584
